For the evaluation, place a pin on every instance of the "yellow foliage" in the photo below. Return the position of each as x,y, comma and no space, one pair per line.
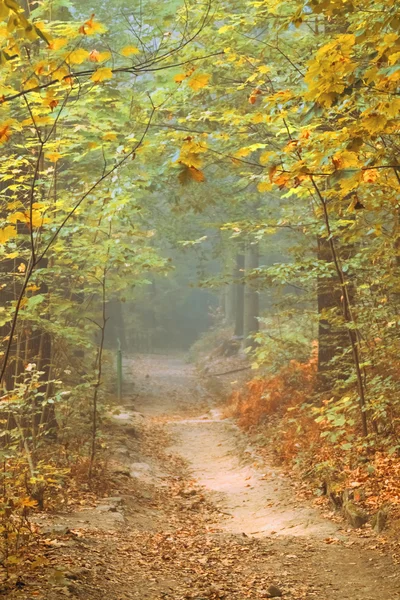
7,233
102,74
180,77
53,156
374,122
110,136
190,173
77,57
91,27
199,81
129,50
58,43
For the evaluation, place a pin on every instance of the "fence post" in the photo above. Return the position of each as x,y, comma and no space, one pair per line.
119,370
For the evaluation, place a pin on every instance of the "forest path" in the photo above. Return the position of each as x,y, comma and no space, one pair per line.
190,512
303,553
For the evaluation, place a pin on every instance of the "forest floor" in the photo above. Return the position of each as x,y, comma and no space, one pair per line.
192,512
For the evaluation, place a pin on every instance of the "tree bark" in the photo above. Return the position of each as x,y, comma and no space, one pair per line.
332,340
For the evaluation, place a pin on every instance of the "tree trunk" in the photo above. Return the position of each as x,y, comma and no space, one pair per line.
239,295
251,298
333,339
229,303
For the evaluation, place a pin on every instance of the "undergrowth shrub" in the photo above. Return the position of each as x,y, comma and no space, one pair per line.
318,435
276,395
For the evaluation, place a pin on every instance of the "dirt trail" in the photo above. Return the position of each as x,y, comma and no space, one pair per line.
192,513
255,499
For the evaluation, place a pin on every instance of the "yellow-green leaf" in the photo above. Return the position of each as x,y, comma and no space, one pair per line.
129,50
102,74
7,233
77,57
197,82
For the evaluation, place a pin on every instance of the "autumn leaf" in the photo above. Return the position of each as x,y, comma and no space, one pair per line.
50,100
374,122
246,150
370,175
189,174
4,11
110,136
7,233
96,56
53,156
91,27
180,77
28,502
57,44
5,133
77,57
282,180
199,81
129,51
36,218
102,74
271,172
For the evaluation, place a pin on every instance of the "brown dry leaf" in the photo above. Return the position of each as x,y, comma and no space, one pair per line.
189,174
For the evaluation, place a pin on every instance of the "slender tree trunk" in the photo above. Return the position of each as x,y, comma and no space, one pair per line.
332,339
229,303
239,289
251,297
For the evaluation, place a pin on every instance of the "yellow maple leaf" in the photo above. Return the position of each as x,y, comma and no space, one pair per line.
57,43
198,81
77,57
190,159
7,233
374,122
91,27
17,216
258,118
38,219
60,73
180,77
102,75
346,159
225,28
189,174
53,156
246,150
109,137
129,50
5,133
